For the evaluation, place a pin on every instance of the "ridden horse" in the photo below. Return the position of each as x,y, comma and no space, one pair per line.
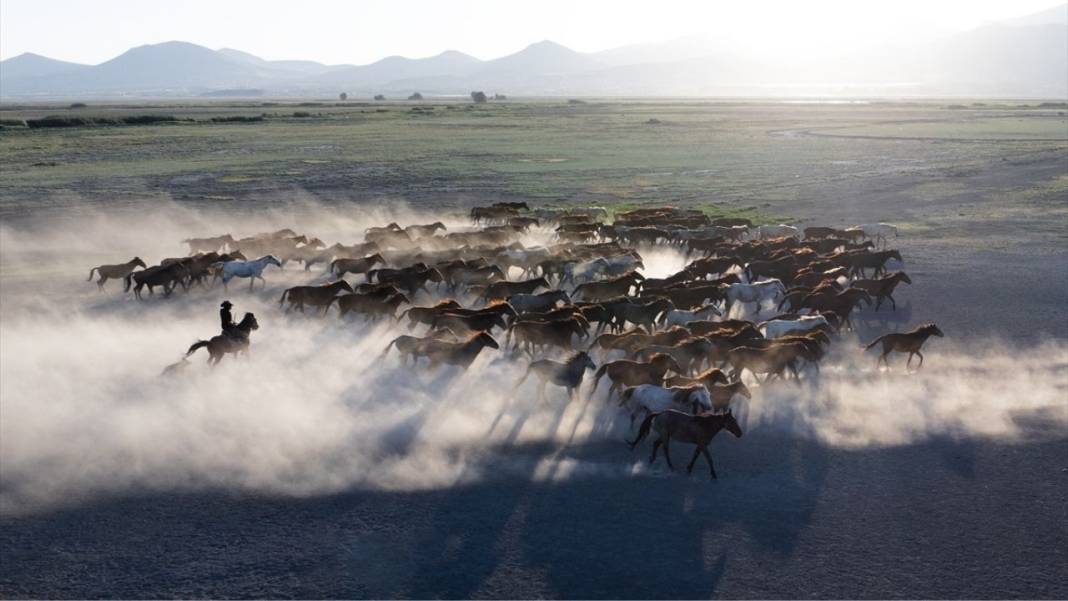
568,373
115,272
909,342
248,269
694,429
235,342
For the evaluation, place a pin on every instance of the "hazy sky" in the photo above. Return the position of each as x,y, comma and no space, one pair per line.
363,31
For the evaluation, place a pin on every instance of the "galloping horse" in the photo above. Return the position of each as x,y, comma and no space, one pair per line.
236,342
116,272
909,342
567,374
694,429
248,269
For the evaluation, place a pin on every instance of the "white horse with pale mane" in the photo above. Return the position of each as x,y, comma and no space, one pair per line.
650,398
878,232
248,269
681,317
755,293
778,328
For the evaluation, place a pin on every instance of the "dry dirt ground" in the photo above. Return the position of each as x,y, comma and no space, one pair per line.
952,510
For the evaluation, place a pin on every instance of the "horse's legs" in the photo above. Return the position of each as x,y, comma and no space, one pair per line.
696,454
656,446
920,355
541,390
893,303
909,362
667,453
252,284
708,456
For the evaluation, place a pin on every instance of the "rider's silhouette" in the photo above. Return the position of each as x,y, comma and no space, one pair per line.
226,318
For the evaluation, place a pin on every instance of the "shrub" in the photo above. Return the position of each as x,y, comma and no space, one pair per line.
148,119
343,96
500,97
238,119
576,101
301,114
12,123
379,97
478,97
78,105
416,96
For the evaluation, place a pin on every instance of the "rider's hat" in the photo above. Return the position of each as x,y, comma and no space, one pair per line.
226,304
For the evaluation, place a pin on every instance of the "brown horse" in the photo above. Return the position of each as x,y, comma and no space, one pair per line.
457,353
534,334
909,342
883,288
115,272
426,315
316,296
772,360
235,342
625,372
465,325
340,267
369,305
683,427
708,378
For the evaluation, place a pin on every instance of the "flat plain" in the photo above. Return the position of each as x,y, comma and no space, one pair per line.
827,496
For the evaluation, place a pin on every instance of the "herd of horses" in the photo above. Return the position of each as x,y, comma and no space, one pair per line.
763,300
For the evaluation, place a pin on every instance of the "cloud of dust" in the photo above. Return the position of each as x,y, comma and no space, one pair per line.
316,409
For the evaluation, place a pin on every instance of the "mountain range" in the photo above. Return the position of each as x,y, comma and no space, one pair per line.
1023,57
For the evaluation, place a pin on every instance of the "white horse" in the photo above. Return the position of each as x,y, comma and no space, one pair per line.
681,317
248,269
777,231
586,271
878,232
650,398
755,293
778,328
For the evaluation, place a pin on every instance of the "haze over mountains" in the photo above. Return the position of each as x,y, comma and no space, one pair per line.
1023,57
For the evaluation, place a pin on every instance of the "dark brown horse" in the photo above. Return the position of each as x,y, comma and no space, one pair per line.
237,341
883,288
909,342
683,427
635,373
316,296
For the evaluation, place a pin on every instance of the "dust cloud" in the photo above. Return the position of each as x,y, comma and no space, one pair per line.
316,408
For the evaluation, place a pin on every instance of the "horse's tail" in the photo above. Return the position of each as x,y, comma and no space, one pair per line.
196,345
875,342
643,431
126,282
91,274
389,346
597,377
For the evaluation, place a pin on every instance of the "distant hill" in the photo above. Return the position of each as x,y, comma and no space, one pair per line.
1022,57
34,65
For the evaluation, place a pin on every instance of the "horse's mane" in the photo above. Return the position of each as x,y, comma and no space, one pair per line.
922,327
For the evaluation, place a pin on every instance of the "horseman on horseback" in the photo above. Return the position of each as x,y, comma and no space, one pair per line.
229,329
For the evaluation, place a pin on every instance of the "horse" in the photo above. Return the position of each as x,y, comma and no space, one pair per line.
772,360
319,296
462,354
558,333
694,429
877,232
526,303
625,372
168,276
681,317
370,305
248,269
777,328
568,373
116,272
690,354
235,342
883,288
858,261
653,398
503,289
909,342
754,293
339,267
426,315
214,244
708,378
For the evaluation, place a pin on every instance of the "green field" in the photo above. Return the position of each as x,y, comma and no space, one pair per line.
761,159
